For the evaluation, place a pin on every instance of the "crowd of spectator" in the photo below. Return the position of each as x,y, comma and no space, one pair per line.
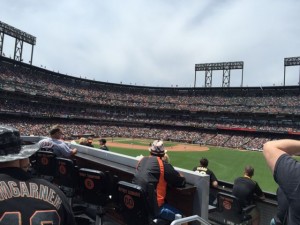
52,95
64,111
34,82
74,130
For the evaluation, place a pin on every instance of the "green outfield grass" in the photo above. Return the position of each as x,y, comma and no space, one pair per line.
227,164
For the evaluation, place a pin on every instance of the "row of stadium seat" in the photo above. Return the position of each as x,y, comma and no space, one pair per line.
103,192
100,191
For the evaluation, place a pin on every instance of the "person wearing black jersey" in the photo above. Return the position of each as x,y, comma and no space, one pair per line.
246,190
102,143
23,199
202,169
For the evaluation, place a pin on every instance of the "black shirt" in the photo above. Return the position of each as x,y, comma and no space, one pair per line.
204,170
287,174
26,200
245,190
104,147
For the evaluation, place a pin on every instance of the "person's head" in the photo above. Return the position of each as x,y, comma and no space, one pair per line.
82,141
102,141
204,162
166,158
157,148
249,171
11,149
90,140
56,132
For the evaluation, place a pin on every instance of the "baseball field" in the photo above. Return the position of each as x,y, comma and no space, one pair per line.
226,163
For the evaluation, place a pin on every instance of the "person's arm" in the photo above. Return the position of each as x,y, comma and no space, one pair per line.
173,177
73,151
65,150
274,149
214,180
259,193
214,184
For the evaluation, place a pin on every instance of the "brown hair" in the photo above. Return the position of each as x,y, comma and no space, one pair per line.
54,129
249,171
204,162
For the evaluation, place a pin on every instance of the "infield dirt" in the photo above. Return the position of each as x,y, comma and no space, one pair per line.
178,148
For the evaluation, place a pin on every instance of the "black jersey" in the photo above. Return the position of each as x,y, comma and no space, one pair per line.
205,170
31,201
245,190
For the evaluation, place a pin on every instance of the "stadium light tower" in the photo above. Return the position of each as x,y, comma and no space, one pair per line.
291,61
20,37
225,66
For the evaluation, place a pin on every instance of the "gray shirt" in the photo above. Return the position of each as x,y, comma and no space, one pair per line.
58,147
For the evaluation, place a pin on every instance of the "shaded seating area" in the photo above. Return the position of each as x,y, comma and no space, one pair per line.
136,206
88,191
44,164
230,210
67,177
111,200
94,190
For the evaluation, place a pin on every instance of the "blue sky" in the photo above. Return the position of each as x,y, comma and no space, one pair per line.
158,42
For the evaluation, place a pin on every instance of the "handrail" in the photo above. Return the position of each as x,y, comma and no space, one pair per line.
190,219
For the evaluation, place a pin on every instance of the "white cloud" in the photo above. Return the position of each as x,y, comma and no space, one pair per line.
158,42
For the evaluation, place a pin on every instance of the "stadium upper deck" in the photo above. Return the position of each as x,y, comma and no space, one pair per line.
37,92
36,81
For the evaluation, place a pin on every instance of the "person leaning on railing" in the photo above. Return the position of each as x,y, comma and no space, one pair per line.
154,170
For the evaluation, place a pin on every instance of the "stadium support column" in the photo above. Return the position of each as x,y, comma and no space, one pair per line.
195,79
242,77
226,77
18,50
1,43
284,76
31,58
208,78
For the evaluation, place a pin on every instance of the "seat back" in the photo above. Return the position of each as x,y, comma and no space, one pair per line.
133,203
66,175
45,163
92,185
230,208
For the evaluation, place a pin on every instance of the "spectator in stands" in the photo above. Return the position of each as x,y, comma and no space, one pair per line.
90,142
202,169
83,141
286,172
103,146
166,158
56,145
246,190
282,209
20,207
149,171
